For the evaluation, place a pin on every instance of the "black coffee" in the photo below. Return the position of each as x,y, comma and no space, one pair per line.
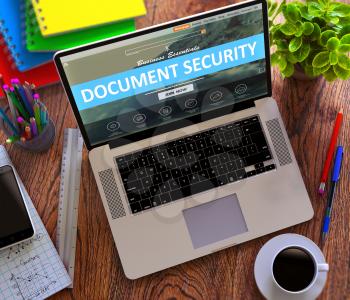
293,269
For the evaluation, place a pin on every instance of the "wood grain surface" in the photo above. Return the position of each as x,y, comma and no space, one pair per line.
308,110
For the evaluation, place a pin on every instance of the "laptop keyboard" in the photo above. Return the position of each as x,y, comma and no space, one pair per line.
194,164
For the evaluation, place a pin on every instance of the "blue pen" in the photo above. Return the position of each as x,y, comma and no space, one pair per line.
335,178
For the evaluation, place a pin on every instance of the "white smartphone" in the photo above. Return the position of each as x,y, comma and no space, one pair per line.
15,223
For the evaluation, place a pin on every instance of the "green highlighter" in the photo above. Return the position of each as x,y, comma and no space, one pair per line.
36,42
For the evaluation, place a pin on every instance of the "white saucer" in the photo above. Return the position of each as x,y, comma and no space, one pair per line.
263,263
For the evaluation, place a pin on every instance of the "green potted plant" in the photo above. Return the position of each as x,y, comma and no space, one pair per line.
314,36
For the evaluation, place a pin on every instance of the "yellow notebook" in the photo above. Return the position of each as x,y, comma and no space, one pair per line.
60,16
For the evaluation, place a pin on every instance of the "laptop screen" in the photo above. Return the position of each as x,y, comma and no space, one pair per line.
168,73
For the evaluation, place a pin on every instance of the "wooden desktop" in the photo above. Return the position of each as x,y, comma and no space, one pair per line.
308,109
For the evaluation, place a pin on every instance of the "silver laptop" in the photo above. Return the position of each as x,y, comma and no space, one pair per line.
187,146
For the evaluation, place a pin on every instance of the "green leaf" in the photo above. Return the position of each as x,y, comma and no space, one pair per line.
314,9
274,59
345,39
288,28
291,58
305,14
316,32
321,59
308,28
303,52
281,45
340,9
319,71
333,58
288,71
326,35
333,43
344,48
345,30
272,8
341,73
292,13
282,62
330,75
344,61
309,71
295,44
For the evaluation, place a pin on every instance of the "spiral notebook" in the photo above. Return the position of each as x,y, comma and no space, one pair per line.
40,76
33,269
12,17
58,17
36,41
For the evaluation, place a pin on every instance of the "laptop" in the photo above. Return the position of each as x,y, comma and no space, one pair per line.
187,147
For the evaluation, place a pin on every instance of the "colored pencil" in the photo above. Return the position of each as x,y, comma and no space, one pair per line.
34,127
8,122
28,133
18,105
12,108
330,153
37,116
12,139
22,95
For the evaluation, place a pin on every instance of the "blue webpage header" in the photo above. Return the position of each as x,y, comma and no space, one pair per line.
169,72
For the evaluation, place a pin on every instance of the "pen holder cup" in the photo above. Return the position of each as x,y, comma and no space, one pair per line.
41,143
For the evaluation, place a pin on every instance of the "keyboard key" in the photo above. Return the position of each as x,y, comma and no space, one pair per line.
160,168
166,176
261,170
145,204
254,127
252,149
232,177
194,178
222,179
201,186
222,169
173,184
180,161
170,163
141,173
176,195
135,207
242,152
156,201
176,173
251,173
260,157
165,198
146,182
241,174
133,186
157,179
162,155
164,187
270,167
184,181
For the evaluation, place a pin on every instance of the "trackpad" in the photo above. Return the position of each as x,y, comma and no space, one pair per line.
215,221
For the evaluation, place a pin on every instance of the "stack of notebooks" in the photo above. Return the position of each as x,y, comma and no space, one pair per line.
32,30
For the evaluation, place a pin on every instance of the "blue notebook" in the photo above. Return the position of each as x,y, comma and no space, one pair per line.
12,20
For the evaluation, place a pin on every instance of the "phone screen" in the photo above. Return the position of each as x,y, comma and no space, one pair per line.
15,224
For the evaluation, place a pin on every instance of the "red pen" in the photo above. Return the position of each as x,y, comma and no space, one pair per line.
330,153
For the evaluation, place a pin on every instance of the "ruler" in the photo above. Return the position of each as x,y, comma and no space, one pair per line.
69,198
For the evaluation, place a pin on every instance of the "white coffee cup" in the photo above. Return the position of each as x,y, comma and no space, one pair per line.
317,269
272,286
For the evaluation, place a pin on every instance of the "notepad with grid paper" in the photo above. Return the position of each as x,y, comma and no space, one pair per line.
31,270
58,17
